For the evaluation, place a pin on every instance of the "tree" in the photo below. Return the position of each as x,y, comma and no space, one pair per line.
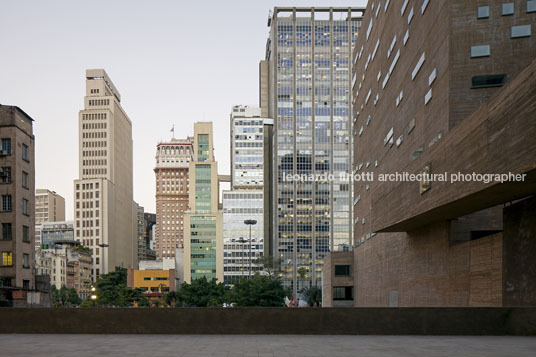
258,291
302,274
112,290
200,293
64,297
271,265
313,295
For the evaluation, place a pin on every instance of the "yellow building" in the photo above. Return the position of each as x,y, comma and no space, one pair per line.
154,283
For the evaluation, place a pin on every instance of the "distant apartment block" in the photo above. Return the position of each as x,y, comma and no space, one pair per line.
103,205
17,218
172,194
49,207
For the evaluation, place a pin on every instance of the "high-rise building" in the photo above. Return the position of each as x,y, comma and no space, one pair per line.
49,207
17,184
172,189
103,204
308,70
445,87
245,199
203,245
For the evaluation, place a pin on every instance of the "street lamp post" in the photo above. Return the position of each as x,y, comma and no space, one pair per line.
103,260
242,241
250,222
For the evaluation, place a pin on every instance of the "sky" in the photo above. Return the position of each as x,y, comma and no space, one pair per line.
173,62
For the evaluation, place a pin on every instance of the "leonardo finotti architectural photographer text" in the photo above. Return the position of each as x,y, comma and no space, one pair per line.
406,176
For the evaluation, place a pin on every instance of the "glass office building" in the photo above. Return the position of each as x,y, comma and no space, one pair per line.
238,256
308,55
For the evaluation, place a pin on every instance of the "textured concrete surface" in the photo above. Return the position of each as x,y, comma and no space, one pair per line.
273,345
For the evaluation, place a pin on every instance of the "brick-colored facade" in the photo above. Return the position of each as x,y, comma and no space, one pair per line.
419,102
17,200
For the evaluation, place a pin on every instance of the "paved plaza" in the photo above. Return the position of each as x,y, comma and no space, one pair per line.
267,345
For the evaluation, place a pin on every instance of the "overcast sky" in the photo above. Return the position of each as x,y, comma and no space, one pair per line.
174,63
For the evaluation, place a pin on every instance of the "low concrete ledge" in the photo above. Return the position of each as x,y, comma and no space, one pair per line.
270,321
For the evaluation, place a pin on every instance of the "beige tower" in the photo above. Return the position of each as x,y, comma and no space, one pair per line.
172,187
203,242
103,205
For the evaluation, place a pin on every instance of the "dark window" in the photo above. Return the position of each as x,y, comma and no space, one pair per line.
343,293
25,153
342,270
5,174
25,180
6,203
26,284
489,80
7,232
26,234
6,147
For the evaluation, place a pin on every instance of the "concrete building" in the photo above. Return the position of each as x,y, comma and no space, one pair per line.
67,264
49,207
445,87
337,280
103,205
203,243
53,233
172,194
305,82
239,253
155,283
245,200
17,213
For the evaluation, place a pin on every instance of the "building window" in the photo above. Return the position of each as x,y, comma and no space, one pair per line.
26,284
6,203
7,232
488,80
508,8
482,12
7,259
25,153
6,147
26,260
5,174
25,180
520,31
342,270
480,51
26,234
25,207
343,293
531,6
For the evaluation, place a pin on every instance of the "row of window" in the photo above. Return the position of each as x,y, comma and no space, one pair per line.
96,102
7,205
7,232
6,149
7,259
482,12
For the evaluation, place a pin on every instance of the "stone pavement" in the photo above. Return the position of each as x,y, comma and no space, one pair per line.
264,345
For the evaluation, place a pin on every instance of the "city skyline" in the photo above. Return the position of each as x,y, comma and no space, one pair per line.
145,62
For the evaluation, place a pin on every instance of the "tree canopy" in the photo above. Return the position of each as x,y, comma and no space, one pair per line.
258,291
200,293
64,297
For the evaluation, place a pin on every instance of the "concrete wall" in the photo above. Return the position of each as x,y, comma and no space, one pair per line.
282,321
519,252
421,268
